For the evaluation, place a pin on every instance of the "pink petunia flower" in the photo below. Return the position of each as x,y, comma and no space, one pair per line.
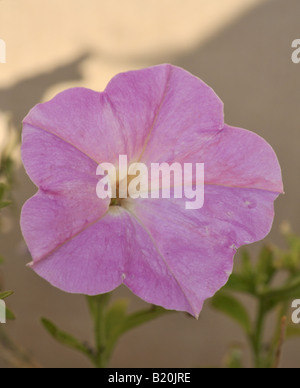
165,254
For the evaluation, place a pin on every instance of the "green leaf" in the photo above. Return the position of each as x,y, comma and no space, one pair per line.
111,322
115,317
293,241
290,259
247,269
65,338
10,315
2,190
265,266
118,322
131,321
292,332
233,309
6,294
6,166
239,283
114,321
234,359
289,291
144,316
5,204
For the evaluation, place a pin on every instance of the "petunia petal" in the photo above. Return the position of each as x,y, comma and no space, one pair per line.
189,112
67,200
235,157
165,101
157,104
83,119
164,253
240,158
48,221
91,262
105,255
54,165
198,246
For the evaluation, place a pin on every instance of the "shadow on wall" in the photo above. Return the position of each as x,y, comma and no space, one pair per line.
249,66
21,97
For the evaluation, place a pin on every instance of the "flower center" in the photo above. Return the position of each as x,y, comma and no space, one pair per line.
118,201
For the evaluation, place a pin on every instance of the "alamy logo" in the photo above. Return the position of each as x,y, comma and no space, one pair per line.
296,312
2,312
2,51
158,180
296,53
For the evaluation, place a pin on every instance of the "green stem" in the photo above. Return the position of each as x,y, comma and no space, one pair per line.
282,312
100,337
111,322
98,305
257,337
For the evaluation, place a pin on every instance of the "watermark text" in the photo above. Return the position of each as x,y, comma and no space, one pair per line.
296,53
2,51
159,180
296,312
2,312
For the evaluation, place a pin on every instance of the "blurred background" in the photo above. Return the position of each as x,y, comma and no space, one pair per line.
242,48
